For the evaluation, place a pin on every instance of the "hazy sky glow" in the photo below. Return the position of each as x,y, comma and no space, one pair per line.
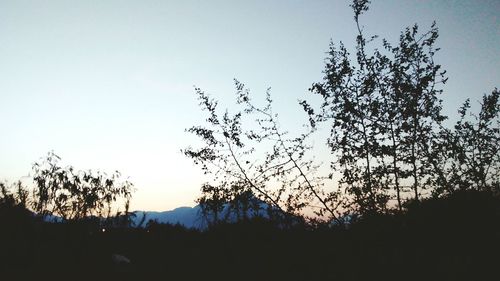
109,84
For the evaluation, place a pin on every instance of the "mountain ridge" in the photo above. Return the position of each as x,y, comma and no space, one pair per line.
187,216
191,217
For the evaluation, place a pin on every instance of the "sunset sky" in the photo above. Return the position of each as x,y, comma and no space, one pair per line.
109,84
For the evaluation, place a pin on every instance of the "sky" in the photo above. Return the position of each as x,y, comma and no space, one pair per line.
109,84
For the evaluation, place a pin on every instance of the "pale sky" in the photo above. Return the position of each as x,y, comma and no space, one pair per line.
109,84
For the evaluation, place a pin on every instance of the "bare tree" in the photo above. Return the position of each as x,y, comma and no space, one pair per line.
258,157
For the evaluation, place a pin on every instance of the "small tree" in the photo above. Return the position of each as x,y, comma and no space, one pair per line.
15,216
212,203
14,195
74,195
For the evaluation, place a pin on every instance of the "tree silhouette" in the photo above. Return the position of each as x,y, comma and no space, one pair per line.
261,159
14,203
74,195
382,109
387,137
467,157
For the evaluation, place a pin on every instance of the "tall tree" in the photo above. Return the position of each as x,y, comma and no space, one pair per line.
382,109
414,77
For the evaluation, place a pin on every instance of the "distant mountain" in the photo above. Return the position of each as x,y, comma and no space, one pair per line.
189,217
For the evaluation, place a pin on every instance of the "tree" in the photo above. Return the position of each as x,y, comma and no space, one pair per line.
382,109
414,80
467,156
14,201
387,139
74,195
15,195
279,175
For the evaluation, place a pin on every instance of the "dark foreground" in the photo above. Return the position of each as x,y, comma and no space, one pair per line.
447,239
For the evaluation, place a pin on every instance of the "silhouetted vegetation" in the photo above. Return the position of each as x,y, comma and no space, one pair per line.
453,238
388,142
74,195
404,197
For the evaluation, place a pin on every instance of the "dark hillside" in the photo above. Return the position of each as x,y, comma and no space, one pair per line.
455,238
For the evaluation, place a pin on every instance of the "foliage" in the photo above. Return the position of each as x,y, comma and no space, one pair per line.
14,201
469,153
73,195
261,160
381,108
15,195
387,140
